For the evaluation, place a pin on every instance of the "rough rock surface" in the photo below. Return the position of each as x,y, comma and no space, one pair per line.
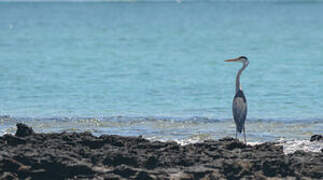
84,156
316,138
23,130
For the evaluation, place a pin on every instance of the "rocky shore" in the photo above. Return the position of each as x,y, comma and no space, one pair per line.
84,156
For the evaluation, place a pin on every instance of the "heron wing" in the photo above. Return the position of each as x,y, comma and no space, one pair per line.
239,110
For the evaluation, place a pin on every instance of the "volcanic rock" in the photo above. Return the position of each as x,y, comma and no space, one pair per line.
84,156
316,138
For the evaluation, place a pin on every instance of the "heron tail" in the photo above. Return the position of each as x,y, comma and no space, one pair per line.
239,128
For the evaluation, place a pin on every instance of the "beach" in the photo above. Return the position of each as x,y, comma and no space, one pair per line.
65,155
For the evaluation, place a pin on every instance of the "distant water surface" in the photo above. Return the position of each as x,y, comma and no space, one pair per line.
157,69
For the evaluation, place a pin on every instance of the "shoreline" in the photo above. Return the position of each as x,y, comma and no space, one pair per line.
182,130
81,155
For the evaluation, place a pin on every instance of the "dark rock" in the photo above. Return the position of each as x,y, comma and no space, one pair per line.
64,155
235,144
120,158
198,172
13,140
23,130
124,171
143,175
151,162
316,138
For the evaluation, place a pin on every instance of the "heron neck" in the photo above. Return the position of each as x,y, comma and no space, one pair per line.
238,87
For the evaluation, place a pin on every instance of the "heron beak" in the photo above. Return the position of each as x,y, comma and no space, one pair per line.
232,60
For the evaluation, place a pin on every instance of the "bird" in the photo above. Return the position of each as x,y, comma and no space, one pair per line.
239,104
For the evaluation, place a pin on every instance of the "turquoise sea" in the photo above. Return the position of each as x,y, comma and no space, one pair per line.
157,68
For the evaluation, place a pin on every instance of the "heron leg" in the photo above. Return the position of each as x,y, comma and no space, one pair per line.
244,135
236,134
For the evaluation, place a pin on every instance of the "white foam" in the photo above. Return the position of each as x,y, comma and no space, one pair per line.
188,141
291,146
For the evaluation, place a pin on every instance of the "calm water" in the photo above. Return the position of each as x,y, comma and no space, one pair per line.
157,69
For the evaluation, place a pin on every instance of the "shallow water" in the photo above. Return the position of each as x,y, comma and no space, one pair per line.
157,70
292,135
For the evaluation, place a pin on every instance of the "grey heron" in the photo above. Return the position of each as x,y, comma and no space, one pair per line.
239,104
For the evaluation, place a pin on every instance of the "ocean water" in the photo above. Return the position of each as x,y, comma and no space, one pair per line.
157,68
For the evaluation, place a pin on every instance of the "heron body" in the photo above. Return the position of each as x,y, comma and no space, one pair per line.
239,104
239,111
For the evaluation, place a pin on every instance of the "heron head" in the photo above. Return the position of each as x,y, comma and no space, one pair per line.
242,59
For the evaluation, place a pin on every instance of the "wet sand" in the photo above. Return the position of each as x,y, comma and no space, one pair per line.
84,156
